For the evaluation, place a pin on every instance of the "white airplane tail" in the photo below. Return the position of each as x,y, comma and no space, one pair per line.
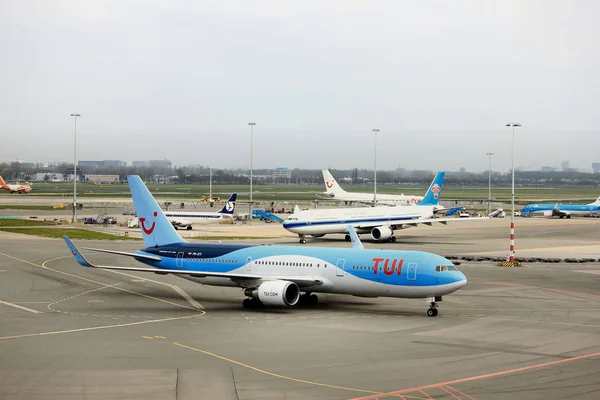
596,203
333,188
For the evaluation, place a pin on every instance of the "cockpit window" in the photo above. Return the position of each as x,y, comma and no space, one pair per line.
445,268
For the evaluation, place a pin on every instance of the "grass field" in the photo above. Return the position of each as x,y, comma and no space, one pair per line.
305,192
71,233
14,222
23,207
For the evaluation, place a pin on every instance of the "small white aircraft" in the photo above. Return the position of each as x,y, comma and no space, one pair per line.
14,188
185,219
335,192
380,222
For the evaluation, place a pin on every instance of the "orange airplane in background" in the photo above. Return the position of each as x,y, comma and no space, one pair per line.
15,188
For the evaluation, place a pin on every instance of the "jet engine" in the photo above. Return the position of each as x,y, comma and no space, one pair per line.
276,293
381,233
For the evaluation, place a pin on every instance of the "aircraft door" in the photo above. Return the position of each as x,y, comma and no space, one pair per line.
179,261
411,275
249,264
340,264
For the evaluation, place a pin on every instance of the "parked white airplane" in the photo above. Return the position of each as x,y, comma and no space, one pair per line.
185,219
334,191
379,221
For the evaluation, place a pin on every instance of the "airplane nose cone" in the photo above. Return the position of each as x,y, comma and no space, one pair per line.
461,280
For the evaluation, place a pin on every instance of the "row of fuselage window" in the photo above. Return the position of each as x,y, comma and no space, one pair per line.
288,264
279,263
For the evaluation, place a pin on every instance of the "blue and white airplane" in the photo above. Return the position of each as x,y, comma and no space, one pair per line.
284,275
380,222
561,210
185,219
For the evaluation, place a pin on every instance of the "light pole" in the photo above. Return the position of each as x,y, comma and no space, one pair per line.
252,124
75,115
511,253
489,181
375,180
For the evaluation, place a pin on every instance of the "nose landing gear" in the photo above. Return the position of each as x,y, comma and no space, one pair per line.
302,239
433,311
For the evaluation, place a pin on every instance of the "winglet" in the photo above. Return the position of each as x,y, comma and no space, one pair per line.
356,243
78,256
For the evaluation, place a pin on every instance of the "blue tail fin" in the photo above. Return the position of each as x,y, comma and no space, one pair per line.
229,207
156,228
432,196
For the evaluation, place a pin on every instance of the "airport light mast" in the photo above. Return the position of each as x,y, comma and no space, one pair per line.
511,253
375,179
75,115
252,125
489,181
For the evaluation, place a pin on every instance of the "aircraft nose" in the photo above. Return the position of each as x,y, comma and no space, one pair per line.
461,279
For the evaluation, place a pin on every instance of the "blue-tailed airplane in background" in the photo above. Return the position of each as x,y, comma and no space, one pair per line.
284,275
561,210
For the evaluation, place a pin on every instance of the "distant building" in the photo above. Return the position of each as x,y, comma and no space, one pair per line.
282,173
564,165
596,167
160,163
462,170
91,178
48,177
152,163
102,163
547,169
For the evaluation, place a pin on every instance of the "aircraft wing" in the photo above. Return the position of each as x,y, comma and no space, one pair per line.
560,213
416,222
299,280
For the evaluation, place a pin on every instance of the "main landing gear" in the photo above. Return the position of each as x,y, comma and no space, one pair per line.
308,299
347,238
302,239
433,311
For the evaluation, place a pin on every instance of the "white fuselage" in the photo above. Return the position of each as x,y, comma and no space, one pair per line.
391,199
187,218
336,220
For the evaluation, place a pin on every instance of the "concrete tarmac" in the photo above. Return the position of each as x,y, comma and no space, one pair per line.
67,332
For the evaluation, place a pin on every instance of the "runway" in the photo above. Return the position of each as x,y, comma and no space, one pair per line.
533,333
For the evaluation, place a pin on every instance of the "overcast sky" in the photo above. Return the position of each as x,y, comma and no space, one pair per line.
181,80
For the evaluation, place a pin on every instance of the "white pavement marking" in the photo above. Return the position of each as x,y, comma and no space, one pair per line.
183,294
21,307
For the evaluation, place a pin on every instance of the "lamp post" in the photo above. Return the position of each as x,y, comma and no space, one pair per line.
511,253
75,115
375,179
252,124
489,181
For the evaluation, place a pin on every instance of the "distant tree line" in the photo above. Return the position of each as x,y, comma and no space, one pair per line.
201,175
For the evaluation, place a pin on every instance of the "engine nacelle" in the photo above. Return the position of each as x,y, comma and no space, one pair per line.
277,293
381,233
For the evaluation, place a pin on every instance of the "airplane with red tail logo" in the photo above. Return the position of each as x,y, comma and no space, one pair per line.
283,275
18,188
334,191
